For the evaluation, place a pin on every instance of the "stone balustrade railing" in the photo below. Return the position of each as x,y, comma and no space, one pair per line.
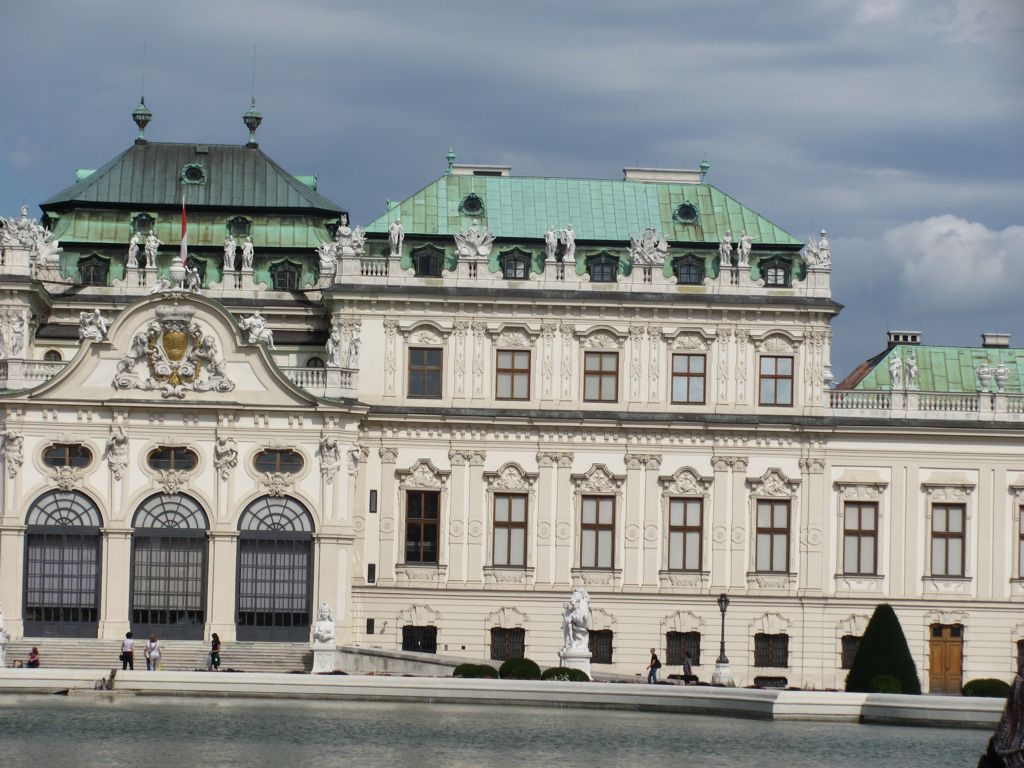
982,406
324,382
38,371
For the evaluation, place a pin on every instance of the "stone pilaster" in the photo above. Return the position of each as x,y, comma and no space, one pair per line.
221,591
565,525
739,516
476,527
654,538
389,516
718,523
115,581
812,576
632,523
458,522
12,552
544,529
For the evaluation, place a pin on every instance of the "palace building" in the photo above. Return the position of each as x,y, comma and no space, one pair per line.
503,387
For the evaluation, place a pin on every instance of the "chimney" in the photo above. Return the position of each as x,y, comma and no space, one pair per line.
993,340
910,338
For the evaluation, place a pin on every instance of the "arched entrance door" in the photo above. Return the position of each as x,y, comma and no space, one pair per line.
169,556
275,570
62,566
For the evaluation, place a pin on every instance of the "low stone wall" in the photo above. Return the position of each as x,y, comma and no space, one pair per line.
941,711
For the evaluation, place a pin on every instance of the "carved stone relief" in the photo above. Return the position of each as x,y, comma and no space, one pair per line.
773,483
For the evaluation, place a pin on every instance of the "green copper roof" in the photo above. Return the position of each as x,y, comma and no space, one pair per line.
150,174
524,207
948,369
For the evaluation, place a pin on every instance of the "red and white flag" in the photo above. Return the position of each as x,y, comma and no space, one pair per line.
184,234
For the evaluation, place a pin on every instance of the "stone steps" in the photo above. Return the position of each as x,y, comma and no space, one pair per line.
178,655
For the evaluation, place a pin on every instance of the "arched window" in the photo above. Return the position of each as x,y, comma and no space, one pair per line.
515,265
169,567
52,356
776,273
174,457
275,570
240,226
285,276
278,461
315,362
143,224
602,268
67,455
93,270
62,566
689,270
428,262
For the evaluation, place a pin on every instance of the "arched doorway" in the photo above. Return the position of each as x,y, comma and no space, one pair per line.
169,557
62,566
275,570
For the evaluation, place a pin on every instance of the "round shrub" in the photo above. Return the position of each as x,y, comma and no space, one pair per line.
519,669
884,684
475,670
565,674
989,687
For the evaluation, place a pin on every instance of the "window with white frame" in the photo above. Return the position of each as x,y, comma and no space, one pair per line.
948,528
512,375
772,548
860,538
509,538
597,532
685,534
688,379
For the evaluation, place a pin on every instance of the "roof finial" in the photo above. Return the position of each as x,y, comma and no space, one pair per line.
142,115
252,118
705,166
451,159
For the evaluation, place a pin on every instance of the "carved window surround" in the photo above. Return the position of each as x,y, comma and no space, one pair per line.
771,623
425,575
424,334
686,483
598,579
511,478
423,476
870,490
689,340
774,484
776,342
508,576
601,338
856,582
952,490
513,336
685,581
597,481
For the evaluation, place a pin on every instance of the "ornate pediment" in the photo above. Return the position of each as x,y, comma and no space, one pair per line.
511,477
598,479
776,343
691,341
685,482
773,482
423,474
179,355
600,340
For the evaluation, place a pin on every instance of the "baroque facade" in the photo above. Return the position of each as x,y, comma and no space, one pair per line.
501,387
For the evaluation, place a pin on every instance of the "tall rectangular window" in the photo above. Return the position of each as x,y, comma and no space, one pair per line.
601,377
421,526
513,375
510,529
851,643
948,539
425,372
860,538
679,645
600,645
597,532
688,379
772,536
685,533
771,650
421,639
1020,545
508,643
776,380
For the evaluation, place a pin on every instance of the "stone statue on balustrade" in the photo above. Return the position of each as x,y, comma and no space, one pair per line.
817,253
28,233
248,254
323,630
896,372
328,253
152,246
725,249
912,371
92,326
648,250
550,244
743,250
259,331
133,251
474,242
353,349
396,236
230,246
17,337
568,238
334,347
193,280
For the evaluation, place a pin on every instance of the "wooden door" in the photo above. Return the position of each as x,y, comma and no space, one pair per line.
946,658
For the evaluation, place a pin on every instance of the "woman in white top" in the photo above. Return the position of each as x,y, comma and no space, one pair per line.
128,652
153,651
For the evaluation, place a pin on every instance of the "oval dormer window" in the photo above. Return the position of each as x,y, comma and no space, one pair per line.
277,461
174,457
193,173
67,455
471,205
685,213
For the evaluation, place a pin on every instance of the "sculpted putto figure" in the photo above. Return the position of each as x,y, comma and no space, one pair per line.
259,333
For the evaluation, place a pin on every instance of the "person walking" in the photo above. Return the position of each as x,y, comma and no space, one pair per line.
153,653
33,658
688,676
653,667
214,653
128,652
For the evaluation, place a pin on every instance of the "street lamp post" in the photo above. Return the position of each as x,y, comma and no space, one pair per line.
722,674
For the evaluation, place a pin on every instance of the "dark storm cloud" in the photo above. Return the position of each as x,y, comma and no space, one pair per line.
874,118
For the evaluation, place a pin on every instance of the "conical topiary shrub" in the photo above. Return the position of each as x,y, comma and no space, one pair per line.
883,651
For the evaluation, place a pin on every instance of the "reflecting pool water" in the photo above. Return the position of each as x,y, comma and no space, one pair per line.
56,732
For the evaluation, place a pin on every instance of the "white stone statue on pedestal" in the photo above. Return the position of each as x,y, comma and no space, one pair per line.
28,233
91,325
259,332
575,651
568,238
725,249
817,254
896,372
133,251
912,371
229,254
328,253
323,630
193,280
744,248
353,349
152,246
248,253
648,250
396,236
550,244
474,242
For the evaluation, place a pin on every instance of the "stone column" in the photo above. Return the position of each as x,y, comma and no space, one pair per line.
389,516
813,507
458,555
476,528
116,570
565,525
12,553
331,583
544,561
633,523
654,537
739,520
222,586
718,523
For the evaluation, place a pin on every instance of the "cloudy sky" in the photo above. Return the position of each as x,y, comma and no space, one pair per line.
896,124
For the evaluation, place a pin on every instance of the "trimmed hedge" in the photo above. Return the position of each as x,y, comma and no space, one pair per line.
565,674
475,670
883,651
519,669
884,684
989,687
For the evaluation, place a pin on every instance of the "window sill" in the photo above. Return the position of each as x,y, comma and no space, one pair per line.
421,574
859,582
947,585
684,579
597,577
778,581
498,575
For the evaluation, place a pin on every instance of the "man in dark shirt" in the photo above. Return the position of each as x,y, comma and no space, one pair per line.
653,667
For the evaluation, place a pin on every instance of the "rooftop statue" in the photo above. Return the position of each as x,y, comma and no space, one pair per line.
912,371
568,238
550,244
162,284
896,372
725,249
28,233
328,253
648,250
133,251
259,332
746,245
248,252
193,280
474,242
576,620
92,326
152,246
817,254
396,236
229,254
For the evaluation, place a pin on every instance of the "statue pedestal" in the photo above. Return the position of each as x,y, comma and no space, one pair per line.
323,658
722,675
575,658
